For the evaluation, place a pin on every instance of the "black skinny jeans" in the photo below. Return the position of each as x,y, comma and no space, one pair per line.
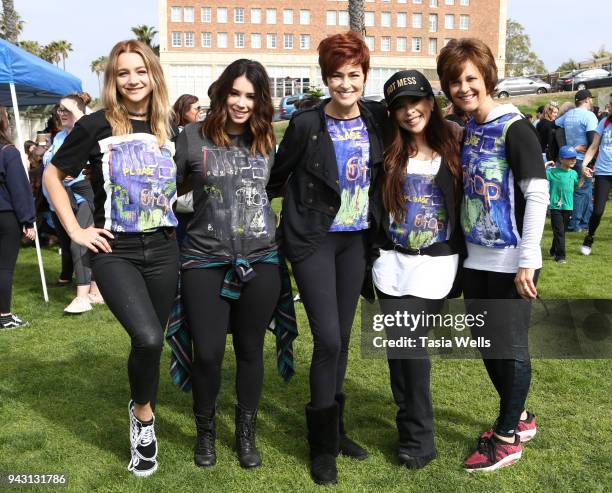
65,244
559,220
603,184
506,326
138,282
10,234
410,378
329,282
210,316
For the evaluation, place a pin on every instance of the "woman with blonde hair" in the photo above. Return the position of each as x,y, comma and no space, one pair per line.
546,127
133,244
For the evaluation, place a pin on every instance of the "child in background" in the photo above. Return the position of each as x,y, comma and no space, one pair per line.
562,180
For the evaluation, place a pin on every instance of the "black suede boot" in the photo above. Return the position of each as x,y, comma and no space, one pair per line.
323,441
204,452
248,455
348,447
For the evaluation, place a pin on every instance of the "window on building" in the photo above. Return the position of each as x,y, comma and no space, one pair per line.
189,39
270,16
255,16
449,21
417,21
176,39
446,41
417,2
401,19
433,23
206,40
221,40
288,16
449,2
256,41
385,19
343,18
330,17
433,3
465,3
368,19
176,14
304,17
188,14
221,15
304,41
206,14
432,47
400,44
401,1
385,43
239,15
416,45
464,22
238,40
369,41
271,41
288,41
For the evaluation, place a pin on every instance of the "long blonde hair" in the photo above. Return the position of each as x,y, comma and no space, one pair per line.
159,107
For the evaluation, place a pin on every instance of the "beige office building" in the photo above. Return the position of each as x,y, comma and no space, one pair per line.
199,38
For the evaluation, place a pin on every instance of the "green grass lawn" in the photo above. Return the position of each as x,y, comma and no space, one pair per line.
64,393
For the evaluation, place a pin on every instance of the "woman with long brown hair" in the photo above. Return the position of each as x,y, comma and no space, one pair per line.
420,245
230,275
135,255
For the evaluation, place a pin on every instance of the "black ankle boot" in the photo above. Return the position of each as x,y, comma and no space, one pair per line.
248,455
348,447
204,452
323,441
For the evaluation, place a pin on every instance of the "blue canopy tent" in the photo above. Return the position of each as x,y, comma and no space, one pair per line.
26,80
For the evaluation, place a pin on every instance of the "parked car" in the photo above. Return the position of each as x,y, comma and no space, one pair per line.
585,79
287,105
515,86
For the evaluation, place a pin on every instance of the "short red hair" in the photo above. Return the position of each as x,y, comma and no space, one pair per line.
341,49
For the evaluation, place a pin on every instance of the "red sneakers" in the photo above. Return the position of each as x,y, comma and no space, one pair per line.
526,429
492,454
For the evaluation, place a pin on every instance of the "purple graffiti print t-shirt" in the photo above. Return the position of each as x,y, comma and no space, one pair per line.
352,147
232,213
133,177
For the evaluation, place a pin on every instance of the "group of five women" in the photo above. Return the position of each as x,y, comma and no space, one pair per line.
353,176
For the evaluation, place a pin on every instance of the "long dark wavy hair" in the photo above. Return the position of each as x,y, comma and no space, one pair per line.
5,132
260,123
440,137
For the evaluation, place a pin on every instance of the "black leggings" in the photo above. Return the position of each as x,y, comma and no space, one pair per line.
210,316
138,282
65,244
10,234
80,254
603,184
510,376
329,282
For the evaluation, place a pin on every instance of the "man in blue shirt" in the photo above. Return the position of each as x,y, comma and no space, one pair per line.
579,125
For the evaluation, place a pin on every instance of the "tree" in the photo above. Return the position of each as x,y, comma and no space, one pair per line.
12,25
98,66
31,46
568,66
601,53
356,16
146,34
63,47
51,53
520,60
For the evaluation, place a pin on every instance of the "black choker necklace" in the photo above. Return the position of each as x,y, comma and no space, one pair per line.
137,114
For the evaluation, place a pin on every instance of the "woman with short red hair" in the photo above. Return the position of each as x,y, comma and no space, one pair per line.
330,160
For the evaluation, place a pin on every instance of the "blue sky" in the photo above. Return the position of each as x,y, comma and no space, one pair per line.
558,28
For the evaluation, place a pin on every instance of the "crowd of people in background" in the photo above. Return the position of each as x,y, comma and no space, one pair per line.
377,198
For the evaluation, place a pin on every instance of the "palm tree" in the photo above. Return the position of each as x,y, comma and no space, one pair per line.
63,48
11,24
356,16
145,34
31,46
98,66
51,53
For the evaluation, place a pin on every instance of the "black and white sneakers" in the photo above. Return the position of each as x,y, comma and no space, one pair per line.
143,445
11,321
